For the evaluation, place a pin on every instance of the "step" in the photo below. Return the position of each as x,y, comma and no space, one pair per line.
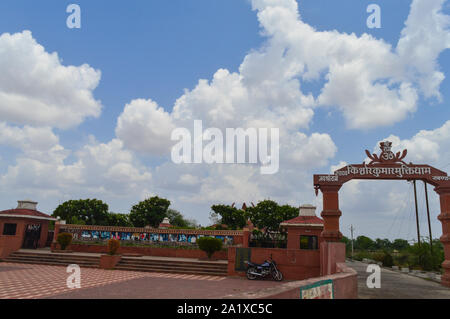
168,270
68,260
52,259
173,264
48,263
15,259
172,268
185,263
55,256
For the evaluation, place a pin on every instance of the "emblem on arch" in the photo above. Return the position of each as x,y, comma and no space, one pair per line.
387,156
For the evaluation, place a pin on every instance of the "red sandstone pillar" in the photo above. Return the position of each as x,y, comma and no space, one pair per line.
245,238
55,235
444,217
331,213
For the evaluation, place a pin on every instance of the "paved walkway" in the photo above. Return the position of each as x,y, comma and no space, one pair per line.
395,285
24,281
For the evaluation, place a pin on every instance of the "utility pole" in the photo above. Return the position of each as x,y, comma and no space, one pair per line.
351,231
417,213
428,215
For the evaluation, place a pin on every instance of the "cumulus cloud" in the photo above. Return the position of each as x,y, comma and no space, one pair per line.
145,127
425,36
36,89
369,81
35,142
98,168
308,151
426,147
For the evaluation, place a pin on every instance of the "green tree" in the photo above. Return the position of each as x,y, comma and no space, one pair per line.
209,245
268,215
347,242
149,212
178,220
364,243
121,220
400,244
83,212
231,216
382,244
425,258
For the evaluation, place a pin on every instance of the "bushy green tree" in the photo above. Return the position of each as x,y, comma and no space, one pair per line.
348,244
382,244
425,258
178,220
268,215
83,212
364,243
122,220
209,245
231,216
64,240
149,212
400,244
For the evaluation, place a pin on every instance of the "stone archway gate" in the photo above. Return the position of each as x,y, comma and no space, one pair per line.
385,166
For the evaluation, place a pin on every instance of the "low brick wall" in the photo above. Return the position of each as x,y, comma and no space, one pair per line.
149,251
345,286
295,264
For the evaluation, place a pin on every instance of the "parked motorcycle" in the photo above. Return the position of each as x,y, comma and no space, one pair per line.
269,267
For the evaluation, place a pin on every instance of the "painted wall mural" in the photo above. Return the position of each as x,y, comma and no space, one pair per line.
94,235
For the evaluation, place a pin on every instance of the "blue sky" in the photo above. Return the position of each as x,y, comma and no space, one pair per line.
155,50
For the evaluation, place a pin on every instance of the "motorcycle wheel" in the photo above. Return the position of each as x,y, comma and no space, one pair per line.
277,275
251,276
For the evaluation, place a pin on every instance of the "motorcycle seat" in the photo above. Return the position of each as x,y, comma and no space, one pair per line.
265,264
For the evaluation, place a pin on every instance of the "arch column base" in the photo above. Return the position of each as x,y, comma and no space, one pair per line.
331,236
444,218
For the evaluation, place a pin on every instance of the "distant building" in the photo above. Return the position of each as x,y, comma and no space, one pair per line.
23,227
165,224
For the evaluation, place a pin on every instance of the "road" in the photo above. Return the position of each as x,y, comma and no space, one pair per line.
395,285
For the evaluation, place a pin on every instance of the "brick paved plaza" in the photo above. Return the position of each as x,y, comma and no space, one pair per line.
29,281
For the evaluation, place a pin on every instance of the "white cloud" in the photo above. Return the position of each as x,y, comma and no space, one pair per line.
145,127
35,142
36,89
308,151
370,82
426,147
365,78
188,179
99,168
424,37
